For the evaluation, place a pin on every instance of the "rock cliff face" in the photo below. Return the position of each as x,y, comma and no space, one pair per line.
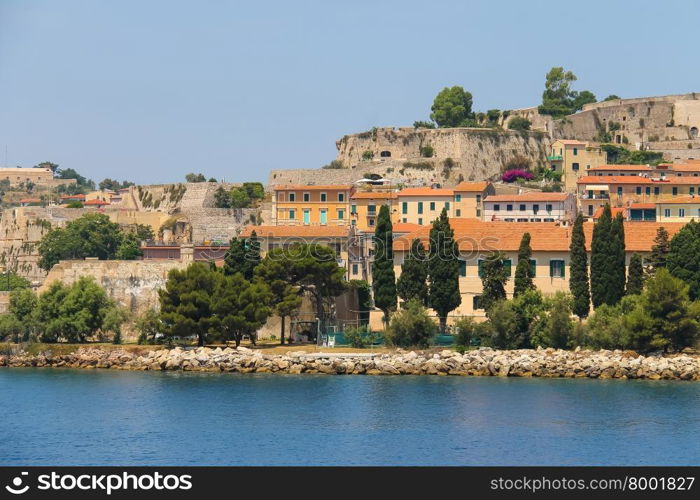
481,362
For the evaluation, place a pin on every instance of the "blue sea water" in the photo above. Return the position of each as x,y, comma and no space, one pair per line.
101,417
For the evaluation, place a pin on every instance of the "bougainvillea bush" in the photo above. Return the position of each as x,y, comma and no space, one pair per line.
514,175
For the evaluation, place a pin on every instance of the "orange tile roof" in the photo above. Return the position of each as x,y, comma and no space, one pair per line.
313,187
426,191
621,167
73,197
296,231
370,195
405,227
96,202
685,167
474,235
532,196
471,187
30,200
613,210
680,200
613,179
569,141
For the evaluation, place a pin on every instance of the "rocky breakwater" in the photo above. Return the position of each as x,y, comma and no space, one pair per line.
480,362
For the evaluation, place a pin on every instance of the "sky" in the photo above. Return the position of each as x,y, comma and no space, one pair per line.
150,90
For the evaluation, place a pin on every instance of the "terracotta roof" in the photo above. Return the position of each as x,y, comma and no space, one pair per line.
405,227
30,200
474,235
680,200
685,167
621,167
535,196
73,197
613,179
471,187
643,206
96,202
370,195
613,210
569,141
426,191
319,187
295,231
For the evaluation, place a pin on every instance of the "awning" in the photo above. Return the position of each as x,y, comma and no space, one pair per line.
597,187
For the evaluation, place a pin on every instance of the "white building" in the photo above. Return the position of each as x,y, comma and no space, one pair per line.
530,207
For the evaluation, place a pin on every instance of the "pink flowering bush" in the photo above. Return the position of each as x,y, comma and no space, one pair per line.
514,175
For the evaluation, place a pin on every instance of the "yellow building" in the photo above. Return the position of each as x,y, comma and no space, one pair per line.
573,159
311,205
682,209
469,198
423,205
365,205
550,252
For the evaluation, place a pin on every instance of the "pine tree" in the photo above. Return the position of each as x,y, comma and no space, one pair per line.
383,277
600,250
578,265
635,276
617,278
252,256
234,258
523,272
683,259
659,250
412,284
493,279
443,269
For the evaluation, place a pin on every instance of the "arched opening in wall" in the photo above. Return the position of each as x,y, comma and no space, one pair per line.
387,154
693,132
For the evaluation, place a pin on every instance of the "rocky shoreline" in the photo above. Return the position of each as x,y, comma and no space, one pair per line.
480,362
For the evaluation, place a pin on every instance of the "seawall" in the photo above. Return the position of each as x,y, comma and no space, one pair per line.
549,363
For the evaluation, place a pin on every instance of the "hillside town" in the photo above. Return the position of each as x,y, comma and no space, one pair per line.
506,193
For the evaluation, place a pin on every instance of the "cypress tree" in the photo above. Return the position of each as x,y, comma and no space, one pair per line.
635,276
616,285
252,256
443,269
578,265
600,250
659,250
683,259
383,277
412,284
523,272
493,279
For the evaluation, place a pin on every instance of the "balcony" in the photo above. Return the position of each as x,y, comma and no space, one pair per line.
595,196
555,158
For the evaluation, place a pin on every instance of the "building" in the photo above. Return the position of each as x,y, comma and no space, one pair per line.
422,205
530,207
550,252
18,176
573,159
365,205
311,205
681,209
184,252
614,212
469,198
30,202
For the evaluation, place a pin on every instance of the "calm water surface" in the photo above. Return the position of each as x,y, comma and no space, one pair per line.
80,417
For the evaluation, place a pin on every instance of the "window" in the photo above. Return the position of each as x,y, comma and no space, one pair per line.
535,208
323,196
509,208
307,196
496,207
371,209
574,166
292,197
292,214
675,191
590,210
307,216
432,206
405,220
420,221
667,212
575,151
478,212
522,207
447,206
385,154
556,268
458,213
648,190
354,269
507,264
478,198
462,267
420,207
280,196
341,214
324,216
476,302
548,207
533,267
639,189
404,208
691,191
681,212
619,190
458,198
479,266
656,190
353,209
341,196
370,222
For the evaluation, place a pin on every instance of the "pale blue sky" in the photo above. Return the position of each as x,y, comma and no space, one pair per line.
149,90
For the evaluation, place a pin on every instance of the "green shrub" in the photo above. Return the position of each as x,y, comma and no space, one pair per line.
427,151
411,326
359,337
367,155
466,332
519,123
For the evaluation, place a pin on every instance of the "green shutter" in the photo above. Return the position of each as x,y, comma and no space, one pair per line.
551,269
508,266
462,267
481,270
533,267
